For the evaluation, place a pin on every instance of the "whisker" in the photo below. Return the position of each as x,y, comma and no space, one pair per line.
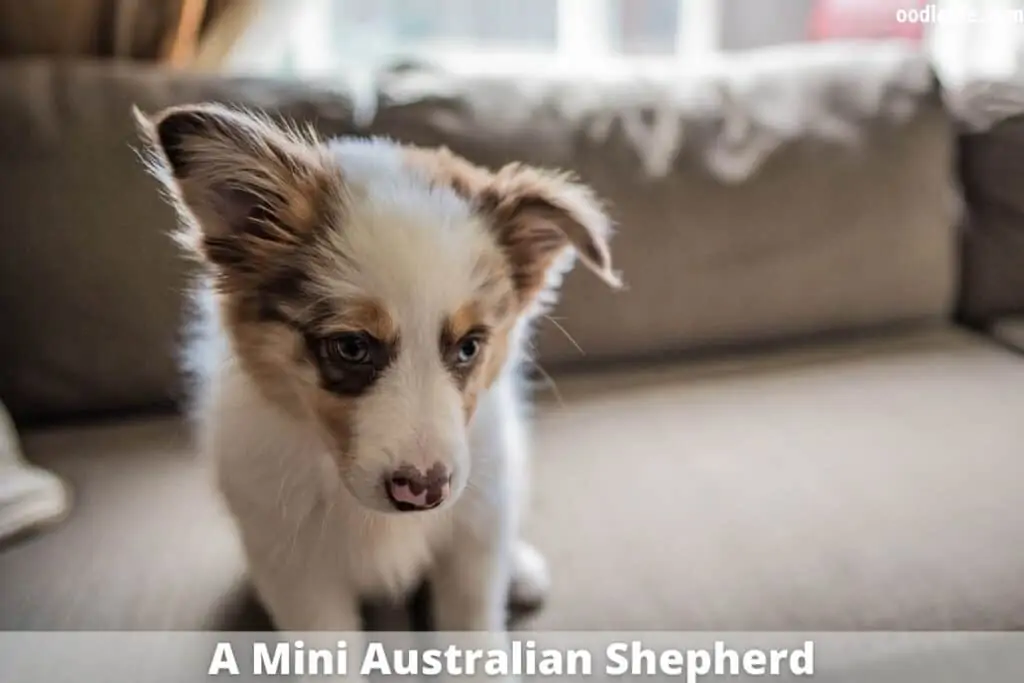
558,325
550,381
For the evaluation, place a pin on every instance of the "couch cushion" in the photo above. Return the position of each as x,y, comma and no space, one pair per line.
874,485
786,193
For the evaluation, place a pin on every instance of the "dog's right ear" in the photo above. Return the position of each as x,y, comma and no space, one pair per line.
246,189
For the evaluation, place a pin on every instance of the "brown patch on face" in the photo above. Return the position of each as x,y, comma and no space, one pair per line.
273,355
346,377
486,371
352,342
336,415
455,343
497,354
276,357
487,322
367,315
468,317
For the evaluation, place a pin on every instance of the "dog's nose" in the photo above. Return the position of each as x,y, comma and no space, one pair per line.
411,488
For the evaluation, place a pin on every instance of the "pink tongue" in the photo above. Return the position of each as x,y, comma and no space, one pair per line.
404,495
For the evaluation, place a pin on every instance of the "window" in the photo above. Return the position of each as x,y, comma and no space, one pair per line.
316,37
967,38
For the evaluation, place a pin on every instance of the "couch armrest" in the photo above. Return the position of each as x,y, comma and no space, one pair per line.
992,171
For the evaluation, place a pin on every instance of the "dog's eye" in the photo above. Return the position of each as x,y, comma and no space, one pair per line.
351,347
468,350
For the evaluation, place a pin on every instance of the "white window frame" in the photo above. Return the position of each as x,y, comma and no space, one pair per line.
583,27
583,38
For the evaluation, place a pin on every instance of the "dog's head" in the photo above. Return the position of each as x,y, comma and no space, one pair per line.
372,288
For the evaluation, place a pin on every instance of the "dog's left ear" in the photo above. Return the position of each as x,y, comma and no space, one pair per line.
537,215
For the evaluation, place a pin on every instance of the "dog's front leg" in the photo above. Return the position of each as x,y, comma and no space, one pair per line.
300,602
470,592
470,586
316,611
305,595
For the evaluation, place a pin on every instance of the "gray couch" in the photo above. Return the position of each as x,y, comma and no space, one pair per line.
782,424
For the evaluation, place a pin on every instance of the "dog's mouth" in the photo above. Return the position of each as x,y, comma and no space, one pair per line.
403,506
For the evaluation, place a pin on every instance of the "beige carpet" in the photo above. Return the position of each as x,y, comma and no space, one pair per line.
872,485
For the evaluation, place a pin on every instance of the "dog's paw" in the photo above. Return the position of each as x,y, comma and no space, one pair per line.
530,578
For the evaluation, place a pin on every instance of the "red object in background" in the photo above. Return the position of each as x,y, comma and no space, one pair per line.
863,19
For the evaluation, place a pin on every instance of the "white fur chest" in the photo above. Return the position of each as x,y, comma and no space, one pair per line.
387,554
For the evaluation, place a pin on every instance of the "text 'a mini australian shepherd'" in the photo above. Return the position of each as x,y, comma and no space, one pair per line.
370,308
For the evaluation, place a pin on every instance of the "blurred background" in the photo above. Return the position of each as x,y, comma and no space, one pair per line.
803,413
316,37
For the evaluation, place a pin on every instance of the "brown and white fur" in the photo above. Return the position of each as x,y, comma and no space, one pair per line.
371,304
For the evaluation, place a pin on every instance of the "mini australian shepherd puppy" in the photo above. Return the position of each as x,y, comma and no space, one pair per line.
370,307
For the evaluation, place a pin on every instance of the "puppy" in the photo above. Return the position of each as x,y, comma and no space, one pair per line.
368,309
